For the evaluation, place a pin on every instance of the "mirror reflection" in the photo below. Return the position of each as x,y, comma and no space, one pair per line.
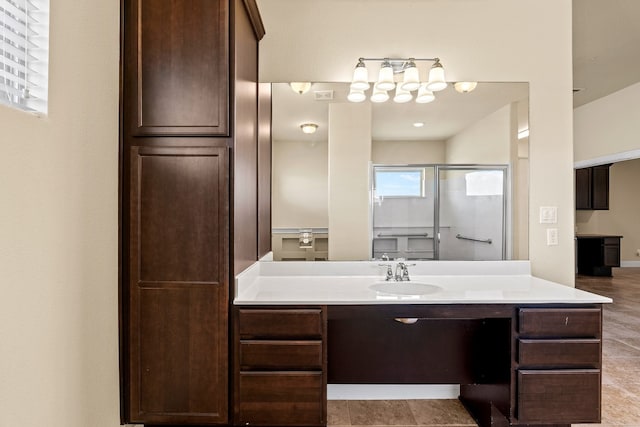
444,180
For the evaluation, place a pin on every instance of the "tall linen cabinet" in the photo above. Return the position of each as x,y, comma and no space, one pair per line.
191,216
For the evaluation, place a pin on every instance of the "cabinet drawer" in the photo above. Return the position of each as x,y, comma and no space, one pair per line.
280,323
560,323
281,398
584,353
282,355
559,396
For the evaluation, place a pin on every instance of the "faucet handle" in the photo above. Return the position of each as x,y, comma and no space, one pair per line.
389,274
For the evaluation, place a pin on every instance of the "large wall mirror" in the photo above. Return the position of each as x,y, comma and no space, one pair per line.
444,180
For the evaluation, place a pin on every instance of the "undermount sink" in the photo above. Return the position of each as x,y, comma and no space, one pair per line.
405,288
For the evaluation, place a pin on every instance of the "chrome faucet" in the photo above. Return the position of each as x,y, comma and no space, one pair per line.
402,272
389,275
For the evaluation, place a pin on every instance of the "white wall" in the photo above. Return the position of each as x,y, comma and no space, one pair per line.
509,40
300,184
608,126
58,233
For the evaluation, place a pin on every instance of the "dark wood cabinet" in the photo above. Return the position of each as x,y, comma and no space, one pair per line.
597,254
280,367
592,188
178,285
188,201
559,365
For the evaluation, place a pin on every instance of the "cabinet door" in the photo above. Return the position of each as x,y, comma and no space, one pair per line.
583,188
176,70
600,187
178,286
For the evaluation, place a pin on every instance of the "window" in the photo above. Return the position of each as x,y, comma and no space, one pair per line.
484,183
399,182
24,56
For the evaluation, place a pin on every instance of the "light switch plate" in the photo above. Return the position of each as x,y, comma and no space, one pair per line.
552,236
548,214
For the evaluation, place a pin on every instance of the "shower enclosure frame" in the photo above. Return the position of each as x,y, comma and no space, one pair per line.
437,168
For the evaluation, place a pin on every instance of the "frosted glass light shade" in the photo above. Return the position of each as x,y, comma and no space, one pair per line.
402,95
436,78
411,79
379,95
360,79
300,87
309,127
424,95
465,87
356,95
385,77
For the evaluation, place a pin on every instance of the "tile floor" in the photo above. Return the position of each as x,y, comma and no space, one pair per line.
620,378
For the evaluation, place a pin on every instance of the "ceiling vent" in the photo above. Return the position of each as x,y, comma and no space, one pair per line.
323,95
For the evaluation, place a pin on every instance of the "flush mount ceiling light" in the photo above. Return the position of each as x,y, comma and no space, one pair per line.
309,127
465,87
409,82
300,87
418,124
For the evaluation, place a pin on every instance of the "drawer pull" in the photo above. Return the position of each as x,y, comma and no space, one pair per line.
407,320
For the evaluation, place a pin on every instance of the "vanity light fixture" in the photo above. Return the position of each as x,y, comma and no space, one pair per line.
409,82
309,128
465,87
300,87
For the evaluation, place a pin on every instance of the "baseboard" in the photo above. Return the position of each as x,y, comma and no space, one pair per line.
392,391
629,263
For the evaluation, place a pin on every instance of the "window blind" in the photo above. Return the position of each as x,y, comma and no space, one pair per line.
24,54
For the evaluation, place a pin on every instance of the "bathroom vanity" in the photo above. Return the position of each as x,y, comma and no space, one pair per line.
525,351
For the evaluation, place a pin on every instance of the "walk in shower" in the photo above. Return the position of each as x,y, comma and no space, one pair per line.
439,212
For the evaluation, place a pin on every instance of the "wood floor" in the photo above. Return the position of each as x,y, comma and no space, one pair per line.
620,379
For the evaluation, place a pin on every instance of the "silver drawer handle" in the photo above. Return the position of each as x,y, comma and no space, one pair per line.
407,320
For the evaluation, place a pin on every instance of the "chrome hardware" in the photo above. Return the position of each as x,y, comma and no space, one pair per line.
402,272
389,275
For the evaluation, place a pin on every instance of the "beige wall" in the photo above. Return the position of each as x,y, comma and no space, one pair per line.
608,125
622,216
408,152
300,184
487,141
59,231
507,46
349,159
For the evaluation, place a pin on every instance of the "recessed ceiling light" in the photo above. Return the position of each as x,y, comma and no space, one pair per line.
418,124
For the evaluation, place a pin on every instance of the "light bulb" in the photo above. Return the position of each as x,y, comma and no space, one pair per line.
300,87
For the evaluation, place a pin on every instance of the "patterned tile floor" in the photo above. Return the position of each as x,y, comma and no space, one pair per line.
620,378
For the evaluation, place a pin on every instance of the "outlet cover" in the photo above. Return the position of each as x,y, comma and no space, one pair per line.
548,214
552,236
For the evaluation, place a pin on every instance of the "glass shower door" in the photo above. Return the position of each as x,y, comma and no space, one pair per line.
403,212
471,213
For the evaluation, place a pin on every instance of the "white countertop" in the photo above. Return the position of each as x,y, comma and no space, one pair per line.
347,283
